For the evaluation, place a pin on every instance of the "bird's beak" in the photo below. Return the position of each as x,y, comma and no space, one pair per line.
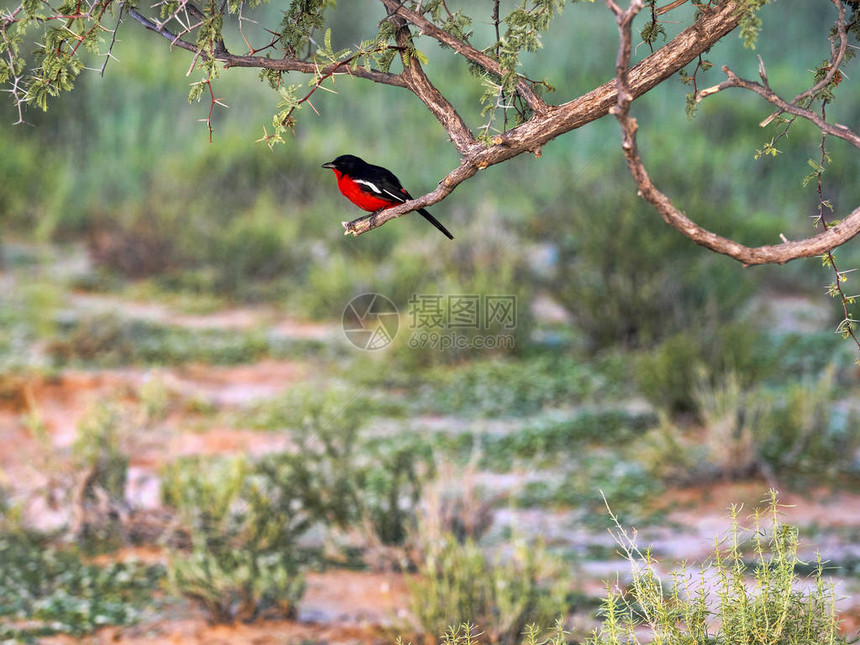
330,164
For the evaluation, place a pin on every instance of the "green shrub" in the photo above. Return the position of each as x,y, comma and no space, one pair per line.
668,375
332,281
28,171
245,519
803,432
108,340
256,248
730,601
793,432
101,451
238,583
243,533
145,241
458,584
607,239
341,476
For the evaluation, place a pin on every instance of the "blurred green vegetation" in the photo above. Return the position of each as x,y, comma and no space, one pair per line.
45,590
459,584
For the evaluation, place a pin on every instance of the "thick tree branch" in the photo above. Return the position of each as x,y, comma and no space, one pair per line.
524,89
550,122
777,254
417,81
711,26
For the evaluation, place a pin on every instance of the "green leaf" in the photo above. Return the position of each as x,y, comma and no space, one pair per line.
422,58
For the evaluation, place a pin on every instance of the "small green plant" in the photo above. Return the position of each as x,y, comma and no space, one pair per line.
669,374
238,583
533,634
458,583
243,531
101,458
792,432
747,593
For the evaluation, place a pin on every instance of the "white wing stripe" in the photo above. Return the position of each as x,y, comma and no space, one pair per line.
395,197
369,184
376,189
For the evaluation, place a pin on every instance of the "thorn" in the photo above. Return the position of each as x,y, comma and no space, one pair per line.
762,72
767,121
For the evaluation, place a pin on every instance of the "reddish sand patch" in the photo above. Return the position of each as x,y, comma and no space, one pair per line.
338,607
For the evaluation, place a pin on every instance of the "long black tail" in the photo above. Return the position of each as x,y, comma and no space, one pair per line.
435,222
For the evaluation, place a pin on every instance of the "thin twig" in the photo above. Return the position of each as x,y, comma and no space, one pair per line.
109,54
846,327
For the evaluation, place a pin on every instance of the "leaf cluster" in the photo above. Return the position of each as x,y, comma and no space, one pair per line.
300,21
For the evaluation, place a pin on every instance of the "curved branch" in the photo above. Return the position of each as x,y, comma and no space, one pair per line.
769,254
417,81
772,254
